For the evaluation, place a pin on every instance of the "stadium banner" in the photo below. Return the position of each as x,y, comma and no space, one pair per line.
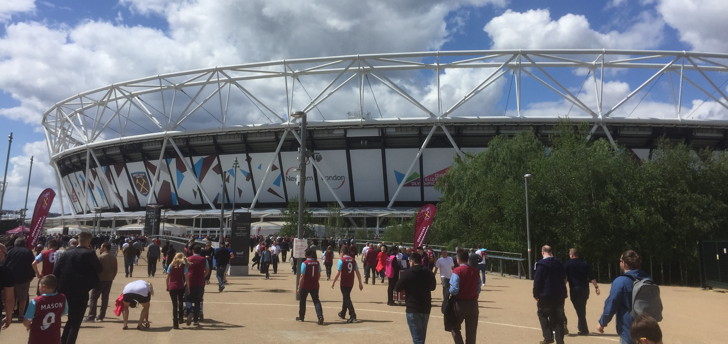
422,223
40,213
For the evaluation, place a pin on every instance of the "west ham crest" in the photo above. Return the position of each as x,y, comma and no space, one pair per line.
141,182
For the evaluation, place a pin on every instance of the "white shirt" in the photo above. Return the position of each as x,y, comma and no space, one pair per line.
445,266
364,250
140,287
276,249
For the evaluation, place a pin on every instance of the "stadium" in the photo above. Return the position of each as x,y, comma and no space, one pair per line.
380,128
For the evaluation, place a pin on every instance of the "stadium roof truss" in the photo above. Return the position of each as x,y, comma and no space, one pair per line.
435,90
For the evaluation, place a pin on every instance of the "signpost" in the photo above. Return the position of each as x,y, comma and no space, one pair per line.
240,243
152,219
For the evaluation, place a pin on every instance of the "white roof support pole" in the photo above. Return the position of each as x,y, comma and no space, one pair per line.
194,176
412,165
59,182
153,187
268,169
85,183
452,142
114,195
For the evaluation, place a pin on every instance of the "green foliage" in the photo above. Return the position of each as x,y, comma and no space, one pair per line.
400,231
585,194
290,217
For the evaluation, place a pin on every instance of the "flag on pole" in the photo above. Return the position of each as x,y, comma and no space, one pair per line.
422,223
42,207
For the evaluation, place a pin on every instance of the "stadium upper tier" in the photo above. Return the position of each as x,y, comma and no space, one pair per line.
382,127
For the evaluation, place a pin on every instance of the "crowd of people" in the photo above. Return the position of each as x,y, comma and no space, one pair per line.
70,281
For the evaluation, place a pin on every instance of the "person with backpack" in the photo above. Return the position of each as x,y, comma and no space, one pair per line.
632,292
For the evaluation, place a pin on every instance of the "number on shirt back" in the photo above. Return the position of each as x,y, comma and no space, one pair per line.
48,320
350,266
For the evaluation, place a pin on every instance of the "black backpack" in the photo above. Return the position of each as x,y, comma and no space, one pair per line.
646,298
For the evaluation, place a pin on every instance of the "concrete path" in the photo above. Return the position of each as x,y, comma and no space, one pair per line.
255,310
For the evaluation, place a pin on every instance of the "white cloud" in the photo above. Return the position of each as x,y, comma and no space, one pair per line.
10,7
534,29
43,176
702,24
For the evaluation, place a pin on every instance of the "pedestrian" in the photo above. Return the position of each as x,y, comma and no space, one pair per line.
328,259
47,259
6,289
20,261
78,272
170,253
371,265
483,262
284,249
196,271
222,259
346,269
43,317
130,254
444,265
579,274
382,262
645,330
309,284
103,288
391,270
208,252
265,260
153,255
465,287
549,290
176,276
165,260
418,282
275,250
137,292
619,301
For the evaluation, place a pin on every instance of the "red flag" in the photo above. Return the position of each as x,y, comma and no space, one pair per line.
423,222
42,206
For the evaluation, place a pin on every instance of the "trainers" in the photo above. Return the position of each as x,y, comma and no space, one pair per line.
188,319
221,288
196,324
321,321
299,319
341,315
549,341
351,320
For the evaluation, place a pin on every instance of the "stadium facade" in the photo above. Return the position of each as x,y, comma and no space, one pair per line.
382,127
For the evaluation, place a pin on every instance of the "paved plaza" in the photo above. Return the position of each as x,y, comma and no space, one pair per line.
255,310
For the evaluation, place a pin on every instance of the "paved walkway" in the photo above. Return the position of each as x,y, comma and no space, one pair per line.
255,310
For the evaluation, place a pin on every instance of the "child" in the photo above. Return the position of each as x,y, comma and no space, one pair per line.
43,316
309,284
347,269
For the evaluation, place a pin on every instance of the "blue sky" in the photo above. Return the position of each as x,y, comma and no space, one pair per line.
50,50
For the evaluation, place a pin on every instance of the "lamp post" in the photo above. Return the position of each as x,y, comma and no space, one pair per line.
236,165
27,190
222,205
5,177
301,187
528,229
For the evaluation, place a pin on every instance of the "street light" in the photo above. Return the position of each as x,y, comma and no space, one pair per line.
528,229
5,177
236,165
301,187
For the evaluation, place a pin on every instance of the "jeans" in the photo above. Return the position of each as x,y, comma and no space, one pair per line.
316,303
445,292
178,307
579,303
220,274
152,266
76,309
195,297
129,265
328,269
551,316
417,323
347,305
103,290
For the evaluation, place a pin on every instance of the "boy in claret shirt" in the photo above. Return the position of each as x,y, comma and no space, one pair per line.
347,269
309,284
43,316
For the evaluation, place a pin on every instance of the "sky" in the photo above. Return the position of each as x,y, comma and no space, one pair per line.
50,50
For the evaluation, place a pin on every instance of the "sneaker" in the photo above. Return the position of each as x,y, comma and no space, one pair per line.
566,331
202,316
91,319
583,333
299,319
99,319
321,321
352,320
196,324
341,315
176,327
550,341
188,319
221,288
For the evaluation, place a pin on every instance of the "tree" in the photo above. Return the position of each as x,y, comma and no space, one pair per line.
290,218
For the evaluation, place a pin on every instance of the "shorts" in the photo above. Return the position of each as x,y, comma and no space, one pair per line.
136,297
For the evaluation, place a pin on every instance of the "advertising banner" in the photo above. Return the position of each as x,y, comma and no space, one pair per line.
423,222
152,219
42,206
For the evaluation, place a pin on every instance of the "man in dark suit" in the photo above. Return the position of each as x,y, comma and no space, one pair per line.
549,290
78,272
579,274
